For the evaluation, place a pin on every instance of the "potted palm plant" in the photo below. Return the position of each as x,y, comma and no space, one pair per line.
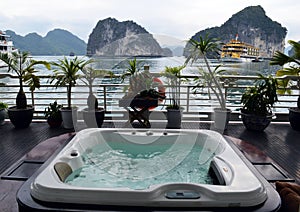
138,80
20,63
3,107
144,92
174,110
201,48
258,102
66,75
292,69
93,115
53,114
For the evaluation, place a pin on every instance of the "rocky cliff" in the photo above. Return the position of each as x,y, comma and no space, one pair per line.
113,38
253,27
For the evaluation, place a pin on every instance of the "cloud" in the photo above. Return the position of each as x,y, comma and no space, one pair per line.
178,18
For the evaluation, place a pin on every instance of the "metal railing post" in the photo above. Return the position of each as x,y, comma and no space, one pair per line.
188,99
194,105
104,97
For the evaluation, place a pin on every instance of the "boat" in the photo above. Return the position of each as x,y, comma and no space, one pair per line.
238,51
6,45
257,60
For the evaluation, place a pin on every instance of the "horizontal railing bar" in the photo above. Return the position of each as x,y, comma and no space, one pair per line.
198,101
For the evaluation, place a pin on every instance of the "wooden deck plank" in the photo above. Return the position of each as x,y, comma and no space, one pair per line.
15,143
279,142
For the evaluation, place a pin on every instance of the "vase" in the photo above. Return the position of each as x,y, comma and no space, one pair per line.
93,118
221,118
69,117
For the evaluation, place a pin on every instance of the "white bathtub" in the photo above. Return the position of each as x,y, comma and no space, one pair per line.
238,185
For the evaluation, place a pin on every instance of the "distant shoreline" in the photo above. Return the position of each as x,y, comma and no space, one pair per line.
127,56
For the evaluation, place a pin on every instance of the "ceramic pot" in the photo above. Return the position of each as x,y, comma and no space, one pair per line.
256,123
69,117
2,116
294,118
93,118
221,118
54,122
20,118
174,118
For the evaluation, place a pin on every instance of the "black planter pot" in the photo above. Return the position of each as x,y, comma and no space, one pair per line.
294,117
54,122
255,122
174,117
20,118
93,118
2,116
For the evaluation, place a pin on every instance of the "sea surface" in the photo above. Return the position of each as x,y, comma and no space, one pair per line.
157,65
118,65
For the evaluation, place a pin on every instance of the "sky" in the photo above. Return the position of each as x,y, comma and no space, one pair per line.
175,18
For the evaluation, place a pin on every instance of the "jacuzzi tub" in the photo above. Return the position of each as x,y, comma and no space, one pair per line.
237,185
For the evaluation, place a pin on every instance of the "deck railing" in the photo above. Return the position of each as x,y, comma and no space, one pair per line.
197,105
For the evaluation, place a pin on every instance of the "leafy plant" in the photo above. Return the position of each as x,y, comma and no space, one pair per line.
68,73
3,105
173,74
138,80
133,69
53,110
23,66
200,49
260,99
88,77
293,69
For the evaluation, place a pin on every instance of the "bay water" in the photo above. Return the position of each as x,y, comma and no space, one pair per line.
118,65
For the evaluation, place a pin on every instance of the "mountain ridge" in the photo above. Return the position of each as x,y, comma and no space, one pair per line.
113,38
56,42
253,26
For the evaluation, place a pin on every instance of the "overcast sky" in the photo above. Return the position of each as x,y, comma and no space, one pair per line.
175,18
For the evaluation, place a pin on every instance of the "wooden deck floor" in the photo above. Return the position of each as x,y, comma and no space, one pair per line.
279,142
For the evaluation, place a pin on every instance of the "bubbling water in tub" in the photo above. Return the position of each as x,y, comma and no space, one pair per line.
138,161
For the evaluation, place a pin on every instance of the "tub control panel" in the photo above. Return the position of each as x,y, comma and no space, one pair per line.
177,194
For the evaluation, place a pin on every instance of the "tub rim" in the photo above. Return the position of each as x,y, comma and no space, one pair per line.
38,190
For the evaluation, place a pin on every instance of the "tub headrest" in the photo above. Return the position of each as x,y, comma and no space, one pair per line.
63,170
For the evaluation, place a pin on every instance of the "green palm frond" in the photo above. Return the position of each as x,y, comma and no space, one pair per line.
260,99
132,70
33,81
218,71
24,67
200,49
173,71
67,73
90,74
280,58
291,68
296,48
